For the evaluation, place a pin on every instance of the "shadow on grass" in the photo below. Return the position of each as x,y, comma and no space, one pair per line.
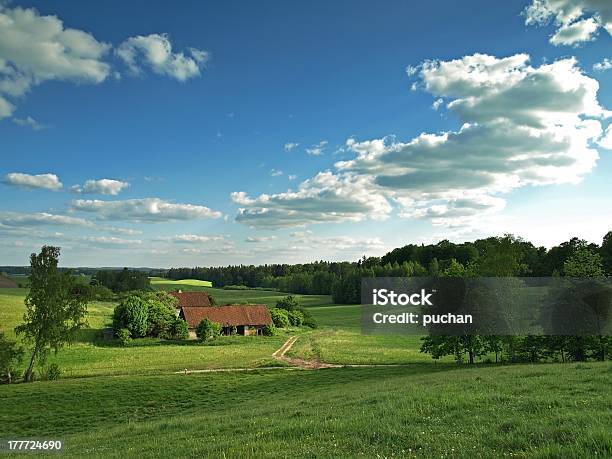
96,337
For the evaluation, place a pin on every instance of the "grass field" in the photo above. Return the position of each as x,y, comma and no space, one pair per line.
544,411
180,283
125,402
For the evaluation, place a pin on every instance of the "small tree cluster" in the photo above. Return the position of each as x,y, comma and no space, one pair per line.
295,313
10,357
149,314
208,330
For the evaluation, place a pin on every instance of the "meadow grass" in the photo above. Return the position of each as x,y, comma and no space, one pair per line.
542,411
180,283
91,356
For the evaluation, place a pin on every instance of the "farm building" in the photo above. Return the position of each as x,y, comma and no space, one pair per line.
191,299
246,319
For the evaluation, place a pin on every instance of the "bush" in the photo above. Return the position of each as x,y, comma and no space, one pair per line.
309,322
10,356
102,293
51,372
279,317
179,329
288,303
161,314
133,314
296,318
269,330
125,337
208,330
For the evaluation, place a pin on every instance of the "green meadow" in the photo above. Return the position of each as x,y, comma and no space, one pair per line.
180,283
116,401
542,411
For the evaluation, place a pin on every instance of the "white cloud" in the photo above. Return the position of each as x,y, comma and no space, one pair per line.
606,139
26,221
276,172
324,198
575,33
605,64
155,51
523,125
317,149
196,238
577,21
437,103
256,239
102,186
28,121
292,176
290,146
145,210
35,49
47,181
111,241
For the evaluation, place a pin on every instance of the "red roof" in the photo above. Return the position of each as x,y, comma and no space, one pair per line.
191,299
231,315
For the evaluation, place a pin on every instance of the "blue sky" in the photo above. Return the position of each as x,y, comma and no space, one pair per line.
236,132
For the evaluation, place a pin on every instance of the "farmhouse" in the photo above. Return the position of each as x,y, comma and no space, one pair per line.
246,319
191,299
194,307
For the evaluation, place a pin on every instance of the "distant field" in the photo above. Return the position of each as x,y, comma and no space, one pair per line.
183,282
543,411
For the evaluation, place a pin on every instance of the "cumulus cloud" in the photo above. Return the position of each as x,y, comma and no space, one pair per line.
257,239
605,64
35,49
144,210
291,146
606,139
318,148
522,125
46,181
155,52
102,186
26,221
327,197
577,21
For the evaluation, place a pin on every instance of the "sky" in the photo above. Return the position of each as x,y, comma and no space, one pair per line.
168,134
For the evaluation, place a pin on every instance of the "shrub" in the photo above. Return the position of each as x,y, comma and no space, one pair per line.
161,314
132,313
269,330
125,337
208,330
51,372
10,356
296,318
279,317
288,303
309,321
179,329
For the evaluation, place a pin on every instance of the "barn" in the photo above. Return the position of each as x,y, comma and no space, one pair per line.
194,307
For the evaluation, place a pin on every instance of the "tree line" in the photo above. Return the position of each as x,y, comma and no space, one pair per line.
342,280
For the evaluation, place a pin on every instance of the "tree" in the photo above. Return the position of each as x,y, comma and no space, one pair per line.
10,356
133,314
606,252
584,263
55,310
179,329
208,330
289,303
279,317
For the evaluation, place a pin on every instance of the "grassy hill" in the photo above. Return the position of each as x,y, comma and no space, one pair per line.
421,411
